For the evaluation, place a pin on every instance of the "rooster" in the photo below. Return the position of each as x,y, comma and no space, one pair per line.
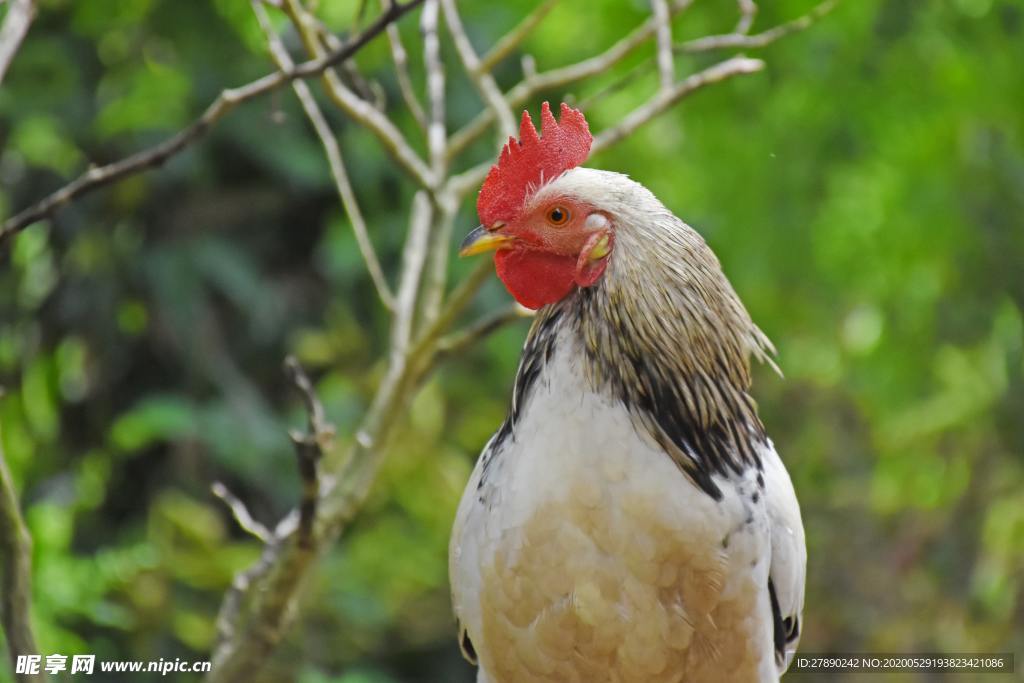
630,521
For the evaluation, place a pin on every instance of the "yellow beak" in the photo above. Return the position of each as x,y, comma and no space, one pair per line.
481,240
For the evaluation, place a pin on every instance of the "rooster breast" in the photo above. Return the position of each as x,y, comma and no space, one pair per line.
582,552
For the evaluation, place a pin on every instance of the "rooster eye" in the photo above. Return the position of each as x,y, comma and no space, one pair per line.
558,216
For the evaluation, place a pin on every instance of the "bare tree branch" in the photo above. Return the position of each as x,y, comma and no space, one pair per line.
454,305
560,77
464,182
401,59
241,513
370,91
358,109
742,41
483,80
260,604
19,17
437,261
414,258
511,40
15,574
663,40
460,184
442,211
666,98
748,12
618,84
437,131
309,448
425,210
155,156
334,159
457,342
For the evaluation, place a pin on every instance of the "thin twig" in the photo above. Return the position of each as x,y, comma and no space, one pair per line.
560,77
465,182
155,156
437,261
355,107
334,159
442,211
742,41
453,307
19,17
437,133
663,42
401,59
370,91
15,574
481,79
260,603
424,207
346,491
259,606
666,98
457,342
511,40
240,512
618,84
309,448
748,12
414,258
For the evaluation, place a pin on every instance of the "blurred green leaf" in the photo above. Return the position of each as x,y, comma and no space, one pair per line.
155,418
41,142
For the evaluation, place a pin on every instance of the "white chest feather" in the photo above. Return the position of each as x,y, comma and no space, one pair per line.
581,552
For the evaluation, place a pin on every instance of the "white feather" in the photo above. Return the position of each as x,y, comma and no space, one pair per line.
567,433
789,551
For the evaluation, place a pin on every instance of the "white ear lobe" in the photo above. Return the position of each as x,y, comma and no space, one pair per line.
595,221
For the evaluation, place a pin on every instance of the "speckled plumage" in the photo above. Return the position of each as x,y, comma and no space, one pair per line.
626,521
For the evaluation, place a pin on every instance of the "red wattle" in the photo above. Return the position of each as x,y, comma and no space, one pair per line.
535,278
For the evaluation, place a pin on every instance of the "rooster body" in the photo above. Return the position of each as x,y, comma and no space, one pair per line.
630,521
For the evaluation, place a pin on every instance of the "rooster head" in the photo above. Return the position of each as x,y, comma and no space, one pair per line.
545,243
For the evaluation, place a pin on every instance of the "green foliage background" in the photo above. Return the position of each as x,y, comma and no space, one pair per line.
865,194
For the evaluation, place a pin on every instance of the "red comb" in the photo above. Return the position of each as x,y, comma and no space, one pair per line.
533,160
